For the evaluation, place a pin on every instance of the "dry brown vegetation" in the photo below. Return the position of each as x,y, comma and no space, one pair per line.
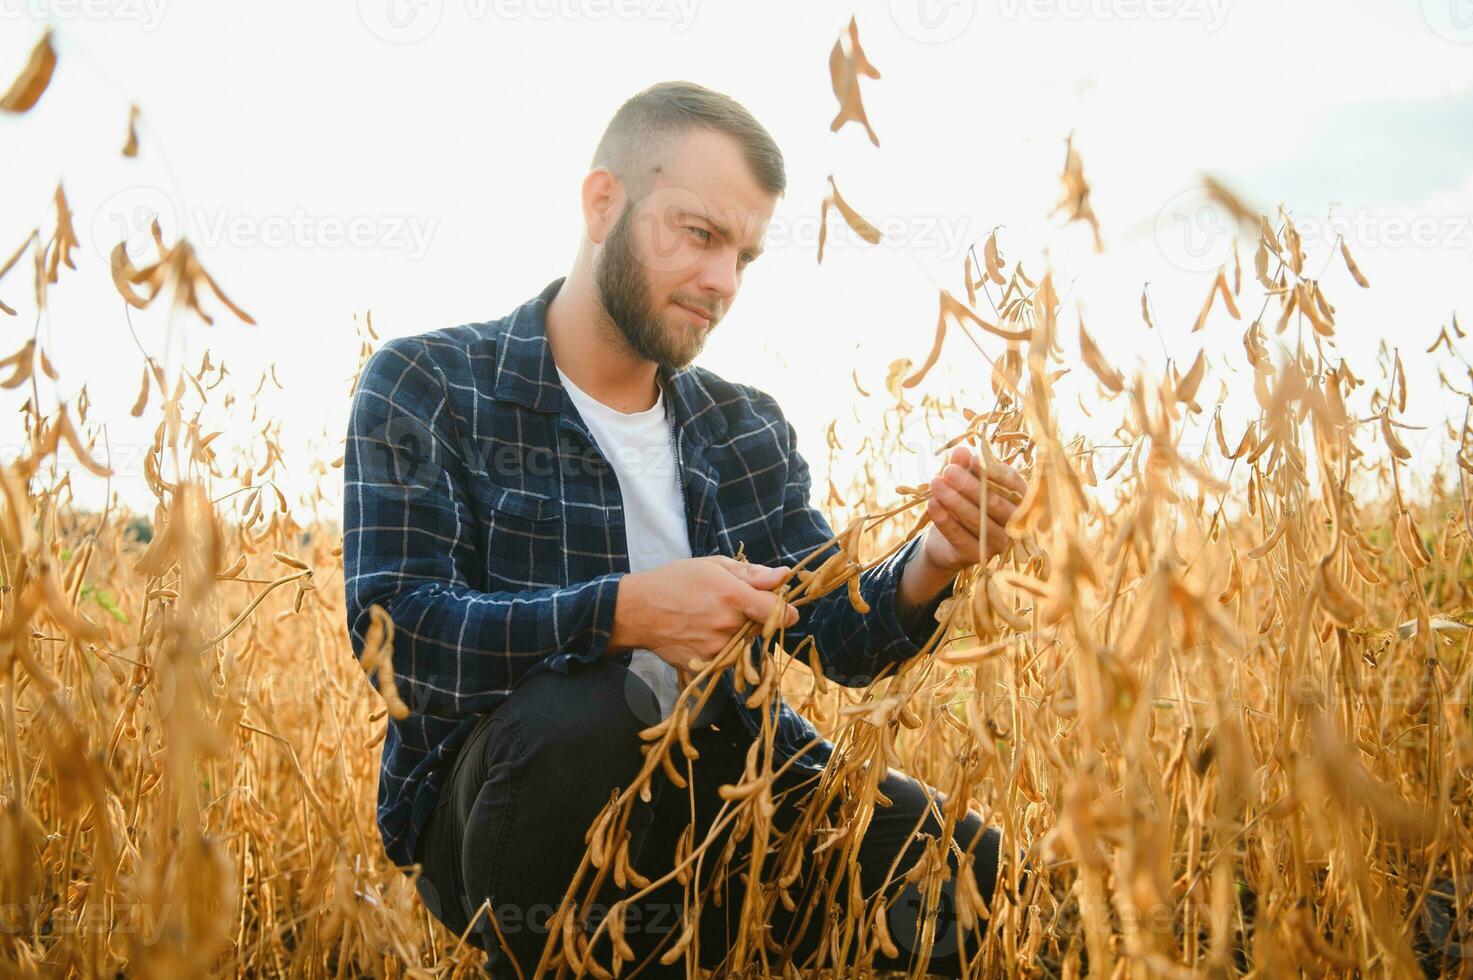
1219,699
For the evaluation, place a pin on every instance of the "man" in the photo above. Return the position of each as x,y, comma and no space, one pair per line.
547,506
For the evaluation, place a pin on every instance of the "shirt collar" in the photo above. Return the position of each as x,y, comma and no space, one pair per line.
526,373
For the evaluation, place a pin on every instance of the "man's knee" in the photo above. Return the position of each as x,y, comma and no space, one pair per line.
914,815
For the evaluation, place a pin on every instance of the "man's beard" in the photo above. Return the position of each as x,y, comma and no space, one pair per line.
624,291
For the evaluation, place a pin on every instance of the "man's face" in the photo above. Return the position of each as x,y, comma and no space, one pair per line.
672,264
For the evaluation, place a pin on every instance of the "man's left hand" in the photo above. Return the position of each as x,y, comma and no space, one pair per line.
954,541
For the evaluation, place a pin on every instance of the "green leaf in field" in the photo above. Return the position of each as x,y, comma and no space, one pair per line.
105,599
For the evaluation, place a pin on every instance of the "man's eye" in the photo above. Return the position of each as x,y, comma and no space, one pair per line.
706,235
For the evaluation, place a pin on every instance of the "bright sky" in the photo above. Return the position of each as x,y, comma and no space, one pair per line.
421,158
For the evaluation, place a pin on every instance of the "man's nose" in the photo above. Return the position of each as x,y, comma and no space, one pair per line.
718,279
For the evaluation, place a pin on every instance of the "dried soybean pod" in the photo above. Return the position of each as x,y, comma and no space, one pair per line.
775,615
682,731
855,599
622,950
882,931
668,764
1235,580
677,951
982,621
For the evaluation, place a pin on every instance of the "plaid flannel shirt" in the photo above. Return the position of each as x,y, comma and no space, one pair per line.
480,514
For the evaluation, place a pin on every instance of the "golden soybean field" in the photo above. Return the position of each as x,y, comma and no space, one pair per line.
1219,699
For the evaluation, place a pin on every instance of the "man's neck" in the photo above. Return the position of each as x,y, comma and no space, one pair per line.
587,348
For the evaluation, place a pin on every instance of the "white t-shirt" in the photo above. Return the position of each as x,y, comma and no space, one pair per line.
638,446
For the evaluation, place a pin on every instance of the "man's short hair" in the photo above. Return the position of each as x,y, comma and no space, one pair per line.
649,124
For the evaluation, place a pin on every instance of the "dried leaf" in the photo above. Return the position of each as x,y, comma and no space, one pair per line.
1185,390
1095,361
951,306
1350,264
823,226
29,85
130,148
844,71
63,240
865,230
1231,202
141,402
1075,202
993,259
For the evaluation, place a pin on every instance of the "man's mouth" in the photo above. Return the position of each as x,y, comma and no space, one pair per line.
703,317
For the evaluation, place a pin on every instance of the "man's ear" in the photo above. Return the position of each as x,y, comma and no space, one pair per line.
603,199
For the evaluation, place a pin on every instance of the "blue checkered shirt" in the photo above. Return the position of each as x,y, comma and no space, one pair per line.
480,514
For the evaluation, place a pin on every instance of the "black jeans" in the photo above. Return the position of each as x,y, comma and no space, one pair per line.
534,774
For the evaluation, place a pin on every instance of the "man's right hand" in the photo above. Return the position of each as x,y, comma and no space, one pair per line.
691,608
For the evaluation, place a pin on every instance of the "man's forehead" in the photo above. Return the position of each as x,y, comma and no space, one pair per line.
706,176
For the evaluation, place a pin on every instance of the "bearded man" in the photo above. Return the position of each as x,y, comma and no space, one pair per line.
548,507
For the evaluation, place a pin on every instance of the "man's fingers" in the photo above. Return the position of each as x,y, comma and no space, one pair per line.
1007,476
959,506
759,576
757,604
998,539
1004,474
968,481
1000,509
790,617
964,541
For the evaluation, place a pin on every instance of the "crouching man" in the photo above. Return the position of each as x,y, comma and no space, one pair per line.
547,505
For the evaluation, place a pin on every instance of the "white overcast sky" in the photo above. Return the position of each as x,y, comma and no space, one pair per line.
450,136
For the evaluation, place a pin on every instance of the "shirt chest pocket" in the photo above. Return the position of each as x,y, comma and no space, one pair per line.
523,539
